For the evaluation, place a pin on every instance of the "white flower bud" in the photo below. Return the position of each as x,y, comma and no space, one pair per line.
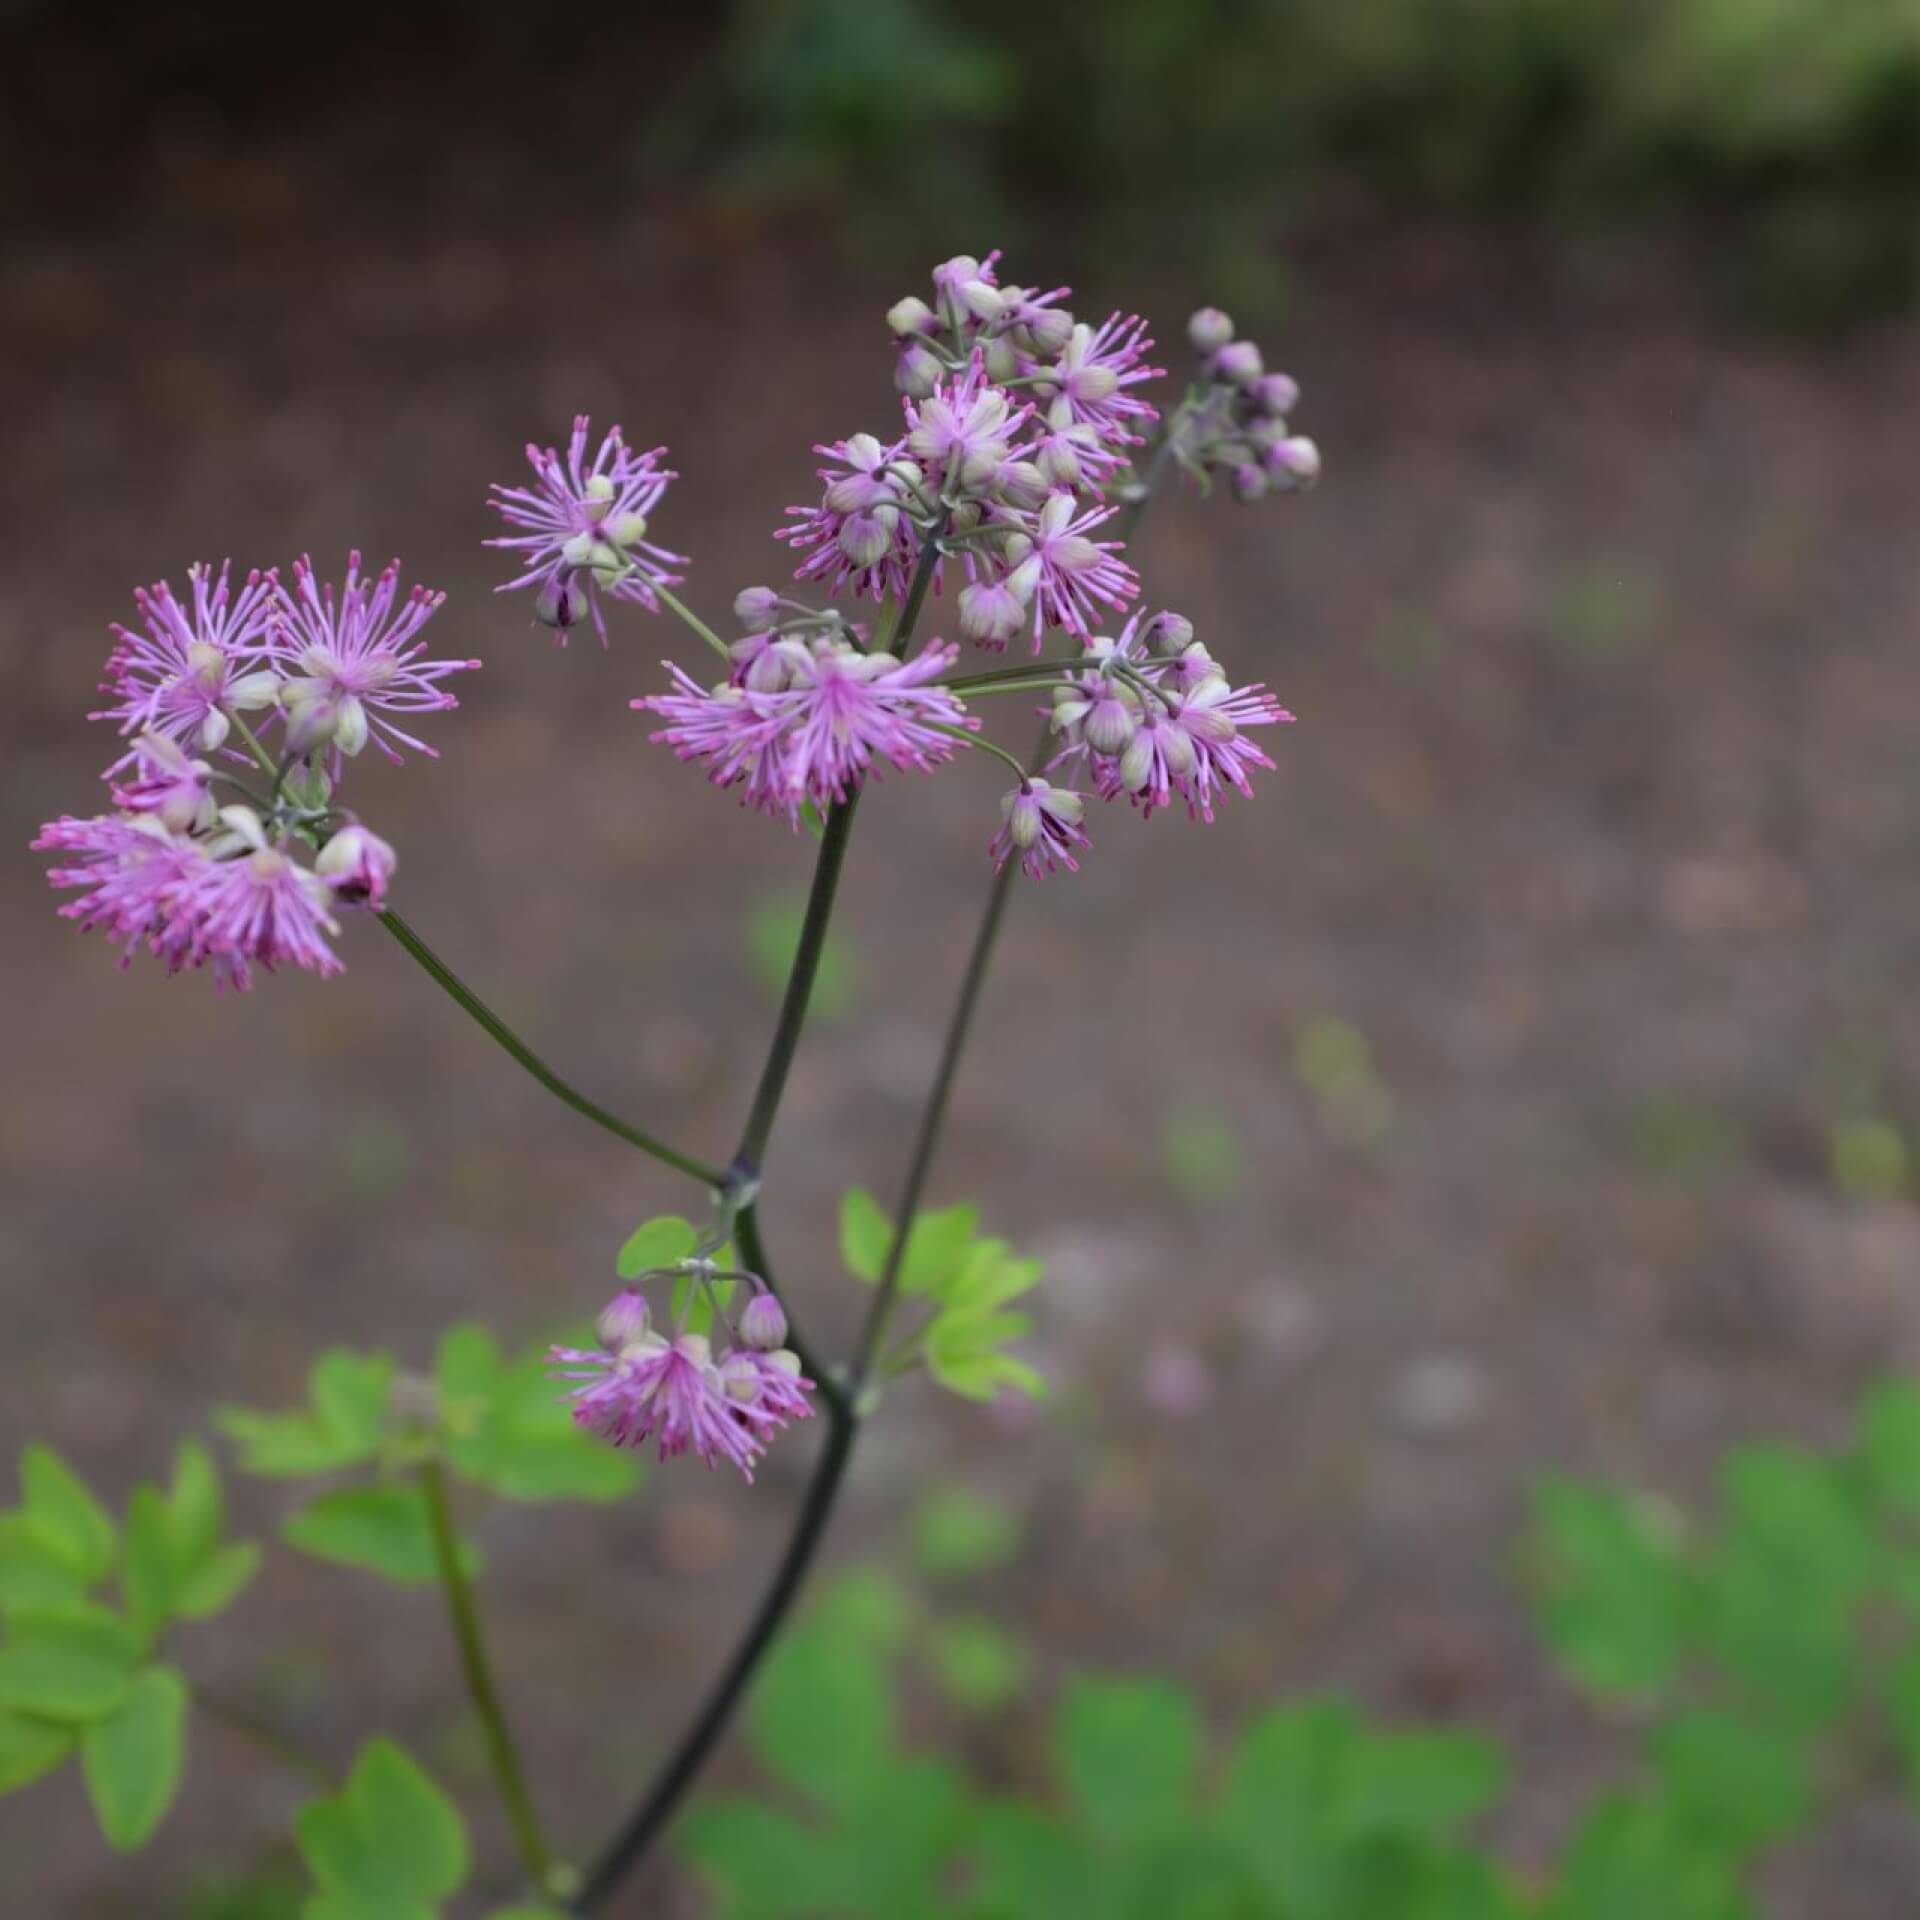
1238,364
910,316
358,864
763,1325
1209,330
600,487
629,528
916,373
754,607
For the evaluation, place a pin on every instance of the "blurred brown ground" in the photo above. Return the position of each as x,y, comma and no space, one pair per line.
1600,633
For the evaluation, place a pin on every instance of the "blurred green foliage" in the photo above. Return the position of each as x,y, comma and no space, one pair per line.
1194,127
1768,1656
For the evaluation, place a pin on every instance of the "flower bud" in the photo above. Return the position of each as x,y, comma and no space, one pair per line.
763,1325
910,316
1274,394
1209,330
865,537
990,612
1249,485
916,372
629,528
982,301
1110,724
755,607
357,864
1136,764
1022,484
600,488
1049,329
740,1380
1003,358
313,714
1294,465
624,1319
1238,364
1169,632
561,603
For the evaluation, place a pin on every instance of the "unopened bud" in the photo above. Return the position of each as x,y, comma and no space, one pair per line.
623,1320
1238,363
1209,330
628,529
1003,358
561,603
910,316
1169,632
916,372
1050,328
1294,465
600,487
1249,485
358,864
763,1325
1274,394
754,607
313,714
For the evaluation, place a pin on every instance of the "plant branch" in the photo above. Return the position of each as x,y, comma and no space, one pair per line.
492,1024
464,1615
693,620
747,1161
649,1819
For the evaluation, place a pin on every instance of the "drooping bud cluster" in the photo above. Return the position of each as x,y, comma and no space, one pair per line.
720,1405
586,530
1236,421
204,864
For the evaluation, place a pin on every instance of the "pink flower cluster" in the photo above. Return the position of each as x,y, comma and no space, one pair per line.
240,860
1153,715
641,1385
1017,415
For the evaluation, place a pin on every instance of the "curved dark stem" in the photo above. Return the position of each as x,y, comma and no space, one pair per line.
491,1023
650,1818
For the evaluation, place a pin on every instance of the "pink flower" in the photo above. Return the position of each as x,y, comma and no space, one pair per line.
258,906
129,872
1064,576
1212,716
1042,824
354,657
767,1389
586,530
165,783
1095,370
671,1388
357,865
859,539
962,433
188,671
816,737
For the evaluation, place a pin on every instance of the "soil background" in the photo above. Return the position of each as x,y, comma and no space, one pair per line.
1599,823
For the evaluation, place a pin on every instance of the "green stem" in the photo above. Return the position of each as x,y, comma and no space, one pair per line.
902,629
693,620
491,1023
983,745
748,1160
262,757
464,1616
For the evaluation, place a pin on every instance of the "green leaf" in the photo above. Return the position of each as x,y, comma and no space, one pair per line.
1129,1753
196,1509
72,1665
822,1717
147,1574
865,1234
957,1533
522,1443
1736,1783
1903,1709
980,1668
658,1243
350,1392
133,1760
1029,1862
1285,1797
30,1748
389,1844
342,1427
381,1529
1422,1784
1890,1444
35,1569
466,1370
1614,1592
964,1355
897,1837
217,1582
694,1302
60,1504
990,1276
763,1864
1632,1857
